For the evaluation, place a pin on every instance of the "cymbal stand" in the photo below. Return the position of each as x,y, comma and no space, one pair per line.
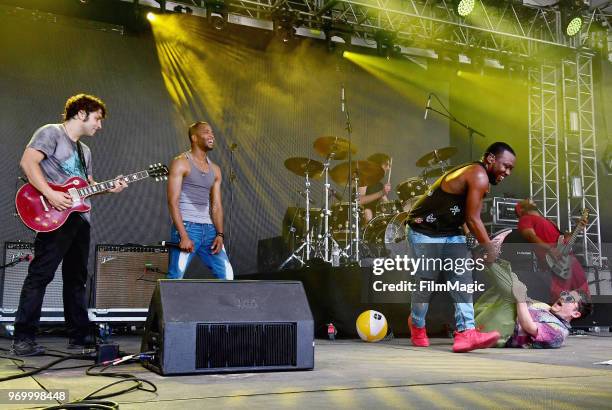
356,240
326,210
307,242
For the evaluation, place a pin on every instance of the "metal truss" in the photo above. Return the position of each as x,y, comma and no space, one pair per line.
502,26
543,140
581,153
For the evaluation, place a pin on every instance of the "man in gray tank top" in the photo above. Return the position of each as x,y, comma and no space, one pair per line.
194,201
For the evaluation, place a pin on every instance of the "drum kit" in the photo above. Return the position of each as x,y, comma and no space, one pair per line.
327,232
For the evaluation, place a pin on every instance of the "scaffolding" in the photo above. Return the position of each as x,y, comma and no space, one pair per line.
581,154
544,140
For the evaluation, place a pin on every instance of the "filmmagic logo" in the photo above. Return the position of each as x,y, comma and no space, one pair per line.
428,286
412,265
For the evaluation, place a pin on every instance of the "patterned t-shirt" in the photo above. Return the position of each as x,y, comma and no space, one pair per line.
61,156
552,331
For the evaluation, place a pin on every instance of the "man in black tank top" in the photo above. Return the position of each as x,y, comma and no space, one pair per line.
436,231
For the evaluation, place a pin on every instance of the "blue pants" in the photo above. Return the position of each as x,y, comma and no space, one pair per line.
446,247
202,236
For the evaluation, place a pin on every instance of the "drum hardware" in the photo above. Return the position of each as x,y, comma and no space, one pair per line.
304,167
435,157
331,148
385,235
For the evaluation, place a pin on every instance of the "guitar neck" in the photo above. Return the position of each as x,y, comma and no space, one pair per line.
110,184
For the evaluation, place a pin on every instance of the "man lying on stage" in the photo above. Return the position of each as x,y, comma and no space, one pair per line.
194,200
436,229
523,322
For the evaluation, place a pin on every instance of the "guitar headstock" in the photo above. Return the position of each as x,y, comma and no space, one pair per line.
584,217
158,171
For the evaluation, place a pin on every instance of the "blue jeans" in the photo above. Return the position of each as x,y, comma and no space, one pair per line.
446,247
202,236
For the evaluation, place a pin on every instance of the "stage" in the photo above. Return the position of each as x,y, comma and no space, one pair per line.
353,374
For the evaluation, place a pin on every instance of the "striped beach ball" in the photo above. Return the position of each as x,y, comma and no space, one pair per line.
371,326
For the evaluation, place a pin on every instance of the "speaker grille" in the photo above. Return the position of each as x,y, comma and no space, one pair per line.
245,345
126,275
14,276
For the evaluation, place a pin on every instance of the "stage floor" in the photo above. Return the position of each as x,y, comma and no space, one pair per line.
353,374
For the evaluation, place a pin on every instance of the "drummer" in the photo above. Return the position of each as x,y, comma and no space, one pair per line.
370,196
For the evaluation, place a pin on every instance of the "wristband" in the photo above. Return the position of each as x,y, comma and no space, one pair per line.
220,234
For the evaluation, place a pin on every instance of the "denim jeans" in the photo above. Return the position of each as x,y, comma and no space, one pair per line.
446,247
202,236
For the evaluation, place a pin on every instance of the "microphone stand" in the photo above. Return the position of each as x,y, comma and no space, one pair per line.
232,180
447,114
353,247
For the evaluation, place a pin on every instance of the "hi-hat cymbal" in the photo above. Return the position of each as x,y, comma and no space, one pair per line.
301,166
436,156
369,173
339,147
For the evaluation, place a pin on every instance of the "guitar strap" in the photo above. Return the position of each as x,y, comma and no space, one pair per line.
82,159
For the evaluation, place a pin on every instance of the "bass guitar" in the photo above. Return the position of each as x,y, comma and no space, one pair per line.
38,215
562,266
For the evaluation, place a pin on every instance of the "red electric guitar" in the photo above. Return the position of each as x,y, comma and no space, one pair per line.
38,215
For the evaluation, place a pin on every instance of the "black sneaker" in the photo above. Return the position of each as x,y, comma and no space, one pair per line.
80,343
27,347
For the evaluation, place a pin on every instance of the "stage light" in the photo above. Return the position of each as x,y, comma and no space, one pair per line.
574,26
151,17
465,7
217,20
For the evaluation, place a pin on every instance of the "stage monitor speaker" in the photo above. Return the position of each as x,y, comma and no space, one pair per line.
212,326
126,275
14,276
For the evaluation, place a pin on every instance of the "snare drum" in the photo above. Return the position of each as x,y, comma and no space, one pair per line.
410,190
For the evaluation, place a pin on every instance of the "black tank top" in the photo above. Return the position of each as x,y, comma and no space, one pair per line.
439,213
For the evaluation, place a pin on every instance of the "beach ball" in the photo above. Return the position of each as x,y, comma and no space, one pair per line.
371,326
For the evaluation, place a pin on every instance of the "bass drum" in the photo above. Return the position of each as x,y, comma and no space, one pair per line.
385,236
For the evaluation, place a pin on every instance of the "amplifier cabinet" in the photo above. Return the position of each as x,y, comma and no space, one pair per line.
126,276
12,279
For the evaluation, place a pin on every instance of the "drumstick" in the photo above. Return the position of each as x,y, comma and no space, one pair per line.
390,167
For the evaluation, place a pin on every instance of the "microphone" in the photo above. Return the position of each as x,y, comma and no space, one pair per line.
428,106
342,100
233,146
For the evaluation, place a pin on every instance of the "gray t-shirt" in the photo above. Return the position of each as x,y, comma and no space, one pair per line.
61,156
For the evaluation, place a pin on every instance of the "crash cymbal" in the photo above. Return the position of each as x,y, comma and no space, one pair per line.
436,156
301,166
325,146
369,172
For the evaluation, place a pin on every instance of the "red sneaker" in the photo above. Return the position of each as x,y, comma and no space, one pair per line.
472,339
418,335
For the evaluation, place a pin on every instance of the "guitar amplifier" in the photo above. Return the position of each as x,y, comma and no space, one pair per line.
126,276
498,213
12,279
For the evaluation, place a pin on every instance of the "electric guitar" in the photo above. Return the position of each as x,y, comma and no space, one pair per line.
562,267
497,239
38,215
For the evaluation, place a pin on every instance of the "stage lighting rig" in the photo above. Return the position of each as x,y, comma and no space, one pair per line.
216,13
285,21
571,16
385,43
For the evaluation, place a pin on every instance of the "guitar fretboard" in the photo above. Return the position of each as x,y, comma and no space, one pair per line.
110,184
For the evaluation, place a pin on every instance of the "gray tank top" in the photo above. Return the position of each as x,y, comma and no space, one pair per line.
194,200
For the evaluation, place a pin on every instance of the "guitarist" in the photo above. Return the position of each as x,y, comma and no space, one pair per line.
535,228
53,155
